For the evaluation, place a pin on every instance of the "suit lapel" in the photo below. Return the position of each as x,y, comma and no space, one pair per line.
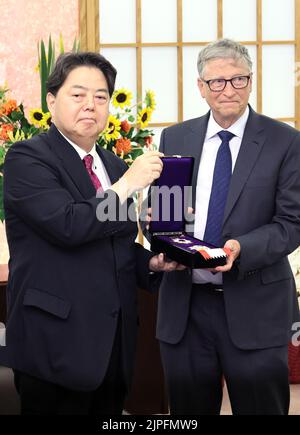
193,145
112,170
251,146
71,162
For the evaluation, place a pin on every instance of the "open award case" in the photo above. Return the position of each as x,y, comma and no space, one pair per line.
167,227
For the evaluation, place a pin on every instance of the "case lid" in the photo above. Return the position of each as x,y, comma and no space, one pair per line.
168,195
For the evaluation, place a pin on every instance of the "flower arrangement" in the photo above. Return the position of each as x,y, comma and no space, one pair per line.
14,126
126,134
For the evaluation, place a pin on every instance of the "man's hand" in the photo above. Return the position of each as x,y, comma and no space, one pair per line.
233,248
143,171
158,263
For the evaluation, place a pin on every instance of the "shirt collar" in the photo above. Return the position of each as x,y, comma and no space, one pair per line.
79,150
237,128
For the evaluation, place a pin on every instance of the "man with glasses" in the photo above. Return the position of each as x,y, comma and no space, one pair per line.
234,321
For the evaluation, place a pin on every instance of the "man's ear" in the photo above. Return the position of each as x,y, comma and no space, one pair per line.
201,85
251,82
50,98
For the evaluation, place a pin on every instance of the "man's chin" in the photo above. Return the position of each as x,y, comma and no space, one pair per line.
230,112
89,132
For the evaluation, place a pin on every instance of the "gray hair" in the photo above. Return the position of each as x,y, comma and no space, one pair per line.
223,49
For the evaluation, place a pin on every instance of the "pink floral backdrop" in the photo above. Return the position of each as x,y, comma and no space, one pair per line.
24,22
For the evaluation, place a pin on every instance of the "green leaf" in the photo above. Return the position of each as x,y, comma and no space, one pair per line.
49,55
76,45
53,59
141,134
131,118
39,57
44,77
61,44
130,133
16,115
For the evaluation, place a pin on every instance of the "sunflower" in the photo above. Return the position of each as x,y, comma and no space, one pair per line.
121,98
144,117
47,120
36,117
150,100
113,128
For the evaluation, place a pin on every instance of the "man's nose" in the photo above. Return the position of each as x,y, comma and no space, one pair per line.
89,103
229,89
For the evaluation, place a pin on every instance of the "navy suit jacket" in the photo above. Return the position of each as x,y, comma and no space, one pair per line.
69,274
263,214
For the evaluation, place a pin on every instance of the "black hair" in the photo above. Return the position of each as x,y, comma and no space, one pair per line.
68,61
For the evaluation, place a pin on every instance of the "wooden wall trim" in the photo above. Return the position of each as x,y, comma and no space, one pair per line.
187,44
139,60
220,19
179,61
90,40
259,103
89,25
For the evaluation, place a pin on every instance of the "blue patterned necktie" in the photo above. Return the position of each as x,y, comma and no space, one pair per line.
219,191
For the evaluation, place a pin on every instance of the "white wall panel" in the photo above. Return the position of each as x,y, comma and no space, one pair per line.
253,96
117,21
159,69
124,60
199,20
193,104
278,18
278,81
157,132
159,20
159,64
239,19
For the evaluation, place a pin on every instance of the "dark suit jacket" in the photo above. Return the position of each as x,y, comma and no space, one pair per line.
69,274
263,214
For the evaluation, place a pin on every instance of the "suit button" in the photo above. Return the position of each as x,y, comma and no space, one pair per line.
114,313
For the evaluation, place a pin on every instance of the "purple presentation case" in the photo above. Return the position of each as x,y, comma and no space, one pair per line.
168,218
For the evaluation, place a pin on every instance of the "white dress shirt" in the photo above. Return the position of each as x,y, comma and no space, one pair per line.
97,167
211,146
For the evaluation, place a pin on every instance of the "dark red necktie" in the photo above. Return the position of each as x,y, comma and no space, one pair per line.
88,163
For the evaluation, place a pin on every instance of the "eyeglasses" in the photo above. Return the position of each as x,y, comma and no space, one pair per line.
217,85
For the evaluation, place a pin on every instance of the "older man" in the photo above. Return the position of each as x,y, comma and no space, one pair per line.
233,321
74,269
